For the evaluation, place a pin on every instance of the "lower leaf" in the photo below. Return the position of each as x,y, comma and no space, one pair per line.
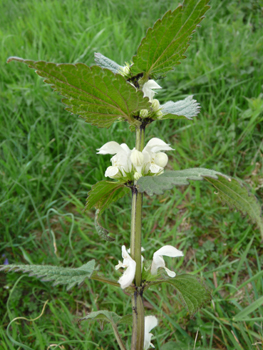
192,293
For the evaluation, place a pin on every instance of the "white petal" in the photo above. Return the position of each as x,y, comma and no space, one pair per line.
112,172
170,273
128,276
161,159
156,145
155,169
151,84
169,250
149,323
137,158
110,147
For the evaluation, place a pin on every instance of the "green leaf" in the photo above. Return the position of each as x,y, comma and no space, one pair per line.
102,231
102,315
184,109
104,193
192,293
236,195
164,44
110,317
250,308
230,190
95,94
105,62
60,275
166,181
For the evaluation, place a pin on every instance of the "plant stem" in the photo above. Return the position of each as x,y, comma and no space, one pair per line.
136,230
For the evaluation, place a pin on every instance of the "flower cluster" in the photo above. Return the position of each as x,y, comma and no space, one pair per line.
133,164
128,276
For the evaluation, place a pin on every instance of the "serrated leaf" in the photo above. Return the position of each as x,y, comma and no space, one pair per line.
105,62
95,94
60,275
230,190
192,293
108,316
164,44
184,109
102,315
104,193
102,231
166,181
236,195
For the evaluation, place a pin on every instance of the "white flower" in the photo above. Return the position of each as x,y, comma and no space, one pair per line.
158,261
128,276
155,160
133,162
147,89
149,323
121,163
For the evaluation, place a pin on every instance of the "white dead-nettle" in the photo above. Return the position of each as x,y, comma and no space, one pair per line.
149,323
148,88
158,260
125,161
155,160
121,163
128,276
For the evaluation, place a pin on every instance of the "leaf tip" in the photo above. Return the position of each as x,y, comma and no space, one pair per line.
14,58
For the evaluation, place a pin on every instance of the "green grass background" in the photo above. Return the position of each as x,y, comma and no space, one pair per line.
48,163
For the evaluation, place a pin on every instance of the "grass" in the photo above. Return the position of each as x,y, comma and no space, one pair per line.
48,164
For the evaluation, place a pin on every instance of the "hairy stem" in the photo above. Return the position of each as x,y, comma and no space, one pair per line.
136,230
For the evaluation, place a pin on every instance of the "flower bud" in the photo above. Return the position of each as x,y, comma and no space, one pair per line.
136,176
125,70
161,159
143,113
155,105
159,114
137,158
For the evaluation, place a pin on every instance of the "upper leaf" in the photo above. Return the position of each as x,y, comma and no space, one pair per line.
95,94
192,293
166,181
105,62
164,44
184,109
60,275
103,193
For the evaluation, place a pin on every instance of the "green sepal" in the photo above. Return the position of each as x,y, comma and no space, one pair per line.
60,275
103,193
230,190
192,293
165,44
95,94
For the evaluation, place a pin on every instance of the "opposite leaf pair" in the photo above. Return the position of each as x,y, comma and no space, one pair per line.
128,276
